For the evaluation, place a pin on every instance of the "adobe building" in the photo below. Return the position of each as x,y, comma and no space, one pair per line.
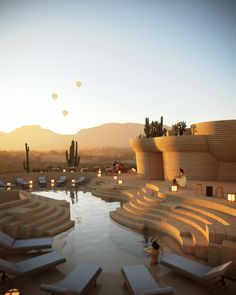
207,153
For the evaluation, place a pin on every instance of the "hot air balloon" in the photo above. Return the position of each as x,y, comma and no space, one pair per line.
78,83
54,96
65,113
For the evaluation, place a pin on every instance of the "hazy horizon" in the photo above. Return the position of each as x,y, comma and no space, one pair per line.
105,135
133,58
36,125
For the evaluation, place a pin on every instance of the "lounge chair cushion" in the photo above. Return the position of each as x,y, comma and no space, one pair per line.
9,243
217,271
140,281
76,281
42,180
36,243
21,180
184,265
6,240
40,262
8,267
194,269
166,290
61,180
80,180
53,288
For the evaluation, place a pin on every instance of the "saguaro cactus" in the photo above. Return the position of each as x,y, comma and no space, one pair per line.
26,163
72,157
147,130
154,129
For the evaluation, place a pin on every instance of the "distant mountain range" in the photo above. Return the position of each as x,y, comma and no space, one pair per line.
39,139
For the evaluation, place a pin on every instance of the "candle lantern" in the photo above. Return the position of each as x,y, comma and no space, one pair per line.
174,188
231,197
12,292
52,182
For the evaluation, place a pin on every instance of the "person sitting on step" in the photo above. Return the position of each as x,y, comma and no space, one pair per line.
181,179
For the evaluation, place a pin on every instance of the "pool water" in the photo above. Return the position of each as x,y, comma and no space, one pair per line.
95,238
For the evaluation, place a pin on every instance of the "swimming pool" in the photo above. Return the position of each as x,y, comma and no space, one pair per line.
95,238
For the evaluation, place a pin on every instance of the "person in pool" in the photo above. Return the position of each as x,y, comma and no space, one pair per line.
153,252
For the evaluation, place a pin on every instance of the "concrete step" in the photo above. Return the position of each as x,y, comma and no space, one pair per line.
25,230
193,214
4,220
213,214
133,216
48,221
154,211
188,233
13,204
22,215
60,228
121,219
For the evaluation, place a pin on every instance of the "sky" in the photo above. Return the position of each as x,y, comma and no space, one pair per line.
134,59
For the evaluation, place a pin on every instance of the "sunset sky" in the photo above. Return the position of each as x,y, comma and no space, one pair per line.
134,58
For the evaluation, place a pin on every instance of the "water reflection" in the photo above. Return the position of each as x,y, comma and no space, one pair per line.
73,195
95,237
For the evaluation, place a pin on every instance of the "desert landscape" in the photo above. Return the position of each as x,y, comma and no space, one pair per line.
117,147
98,147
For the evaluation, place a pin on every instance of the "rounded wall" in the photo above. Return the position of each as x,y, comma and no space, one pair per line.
149,165
161,157
201,166
210,154
221,138
185,143
227,171
144,144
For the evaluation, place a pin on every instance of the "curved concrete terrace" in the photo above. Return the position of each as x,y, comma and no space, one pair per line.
204,227
34,216
24,214
191,225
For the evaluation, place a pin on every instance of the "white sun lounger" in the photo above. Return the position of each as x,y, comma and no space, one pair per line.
139,281
4,184
81,180
61,180
21,182
195,270
76,282
29,266
42,181
8,243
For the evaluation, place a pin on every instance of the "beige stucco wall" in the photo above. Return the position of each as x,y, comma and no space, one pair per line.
221,138
201,166
150,165
210,154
